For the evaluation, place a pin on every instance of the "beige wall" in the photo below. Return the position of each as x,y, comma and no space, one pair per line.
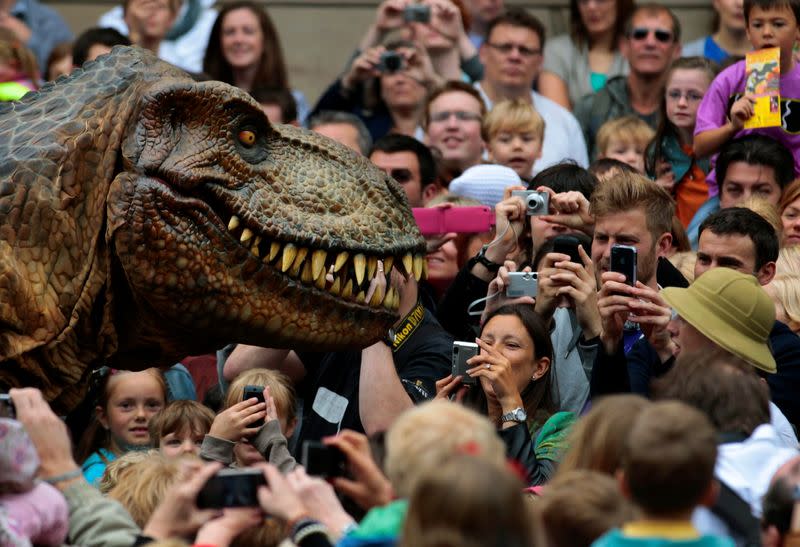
319,35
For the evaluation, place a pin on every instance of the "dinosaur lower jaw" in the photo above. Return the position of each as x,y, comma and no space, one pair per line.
344,274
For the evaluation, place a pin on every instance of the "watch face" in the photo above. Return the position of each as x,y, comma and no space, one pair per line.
520,415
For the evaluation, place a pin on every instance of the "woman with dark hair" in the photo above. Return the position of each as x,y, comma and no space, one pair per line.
244,50
513,370
581,62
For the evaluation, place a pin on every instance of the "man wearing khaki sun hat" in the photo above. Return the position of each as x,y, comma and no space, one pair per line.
726,308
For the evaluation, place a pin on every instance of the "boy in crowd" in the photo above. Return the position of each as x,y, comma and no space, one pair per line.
667,470
514,131
179,428
624,139
726,106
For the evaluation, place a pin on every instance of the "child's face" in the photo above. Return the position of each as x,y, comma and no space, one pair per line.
516,150
180,443
151,18
731,13
773,27
685,90
134,399
626,152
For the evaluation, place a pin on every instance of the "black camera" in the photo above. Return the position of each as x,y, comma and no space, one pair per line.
231,488
7,409
390,61
321,460
417,13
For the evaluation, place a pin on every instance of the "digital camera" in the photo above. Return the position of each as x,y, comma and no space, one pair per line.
536,203
417,13
461,352
390,61
522,284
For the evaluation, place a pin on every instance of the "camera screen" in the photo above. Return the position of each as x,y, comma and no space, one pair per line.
231,488
322,461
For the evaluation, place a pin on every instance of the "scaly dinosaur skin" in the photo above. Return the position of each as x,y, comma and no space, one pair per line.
145,217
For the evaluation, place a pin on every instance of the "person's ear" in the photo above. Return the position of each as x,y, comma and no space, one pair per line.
622,483
430,191
709,497
766,273
664,244
102,416
290,425
541,366
677,53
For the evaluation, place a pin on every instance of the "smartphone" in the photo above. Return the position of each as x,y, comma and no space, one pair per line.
461,352
7,409
231,488
623,260
250,392
568,245
460,220
321,460
522,284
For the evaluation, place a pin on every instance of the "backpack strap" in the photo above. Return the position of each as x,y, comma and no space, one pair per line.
735,512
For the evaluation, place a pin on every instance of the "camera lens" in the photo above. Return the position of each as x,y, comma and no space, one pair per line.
534,201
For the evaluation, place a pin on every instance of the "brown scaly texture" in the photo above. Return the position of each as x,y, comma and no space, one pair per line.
145,217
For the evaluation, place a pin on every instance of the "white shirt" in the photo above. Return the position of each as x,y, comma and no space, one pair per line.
563,136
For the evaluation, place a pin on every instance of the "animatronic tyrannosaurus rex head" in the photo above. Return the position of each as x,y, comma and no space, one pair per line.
145,216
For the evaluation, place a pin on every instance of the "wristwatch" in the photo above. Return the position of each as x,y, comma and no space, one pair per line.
488,264
516,415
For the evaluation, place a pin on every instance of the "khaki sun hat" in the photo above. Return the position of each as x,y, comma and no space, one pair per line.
732,310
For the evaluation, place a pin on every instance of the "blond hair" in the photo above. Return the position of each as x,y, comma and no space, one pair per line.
118,466
428,435
788,261
180,416
628,191
279,385
515,116
627,129
685,262
142,485
766,210
785,292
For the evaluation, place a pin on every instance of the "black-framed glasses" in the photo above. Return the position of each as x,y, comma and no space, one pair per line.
691,96
461,115
508,47
640,33
401,175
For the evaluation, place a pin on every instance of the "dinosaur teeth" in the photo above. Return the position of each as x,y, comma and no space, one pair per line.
389,298
336,288
254,251
359,263
387,264
361,298
318,262
341,258
320,281
306,275
372,265
289,254
274,249
247,235
408,263
301,256
347,291
377,298
233,223
418,259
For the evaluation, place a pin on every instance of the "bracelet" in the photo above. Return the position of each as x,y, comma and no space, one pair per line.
293,525
315,528
480,258
69,475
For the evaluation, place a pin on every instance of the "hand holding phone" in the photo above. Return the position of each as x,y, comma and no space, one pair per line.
231,488
568,245
623,260
322,460
254,392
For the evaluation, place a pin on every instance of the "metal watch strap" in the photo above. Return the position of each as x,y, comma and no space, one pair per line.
488,264
517,415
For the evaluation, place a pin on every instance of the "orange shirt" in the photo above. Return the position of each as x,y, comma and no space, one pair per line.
691,191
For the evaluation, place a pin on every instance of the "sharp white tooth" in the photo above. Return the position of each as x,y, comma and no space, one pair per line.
359,264
306,275
377,298
347,291
361,297
341,258
418,260
233,223
289,254
408,263
301,256
372,265
274,249
336,288
318,262
388,262
247,235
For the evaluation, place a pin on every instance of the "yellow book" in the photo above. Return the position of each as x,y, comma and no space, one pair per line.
764,85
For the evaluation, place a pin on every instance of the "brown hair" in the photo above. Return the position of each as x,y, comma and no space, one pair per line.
180,416
789,194
12,50
578,31
512,115
595,505
173,5
279,385
271,72
141,486
669,458
724,387
629,191
517,16
450,87
597,440
467,501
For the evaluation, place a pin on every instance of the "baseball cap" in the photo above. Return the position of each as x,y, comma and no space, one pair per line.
732,310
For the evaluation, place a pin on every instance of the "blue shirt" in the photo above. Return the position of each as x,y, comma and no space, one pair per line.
94,466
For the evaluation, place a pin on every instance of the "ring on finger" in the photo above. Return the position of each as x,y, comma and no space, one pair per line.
488,366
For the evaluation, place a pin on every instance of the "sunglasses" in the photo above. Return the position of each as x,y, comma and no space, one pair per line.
401,175
639,34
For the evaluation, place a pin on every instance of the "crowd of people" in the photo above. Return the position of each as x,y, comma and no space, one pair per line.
631,307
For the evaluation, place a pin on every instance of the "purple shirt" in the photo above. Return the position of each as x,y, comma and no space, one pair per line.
727,87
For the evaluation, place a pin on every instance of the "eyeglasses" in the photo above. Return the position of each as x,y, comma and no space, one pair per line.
461,115
691,96
507,48
639,34
401,175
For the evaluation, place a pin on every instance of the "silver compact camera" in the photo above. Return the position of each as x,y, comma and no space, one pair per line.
461,352
522,284
536,203
417,13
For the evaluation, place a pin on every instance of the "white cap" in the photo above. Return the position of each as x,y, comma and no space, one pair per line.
485,183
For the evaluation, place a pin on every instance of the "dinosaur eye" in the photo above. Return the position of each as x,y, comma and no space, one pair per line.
247,137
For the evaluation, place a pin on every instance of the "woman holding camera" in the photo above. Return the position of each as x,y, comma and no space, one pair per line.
514,388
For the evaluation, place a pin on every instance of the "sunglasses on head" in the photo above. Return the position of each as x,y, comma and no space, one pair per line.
663,36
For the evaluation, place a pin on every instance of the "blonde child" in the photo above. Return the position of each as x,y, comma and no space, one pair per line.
179,428
624,139
234,439
19,72
670,158
514,132
125,406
